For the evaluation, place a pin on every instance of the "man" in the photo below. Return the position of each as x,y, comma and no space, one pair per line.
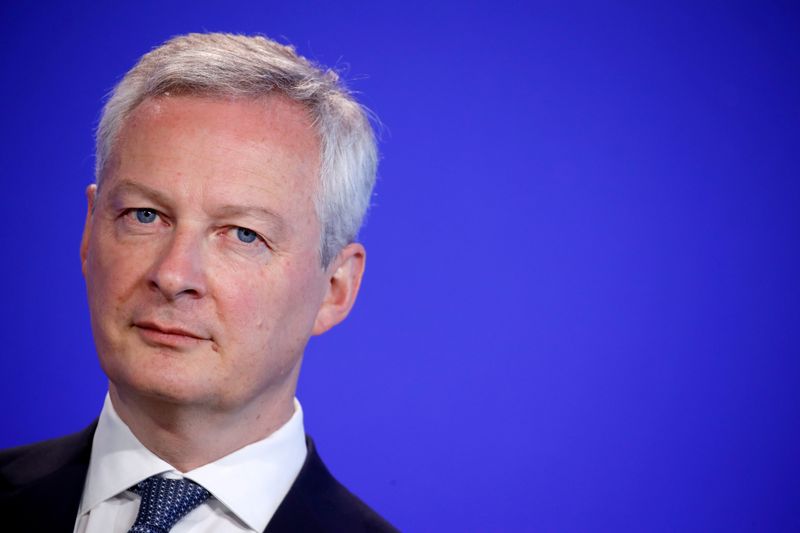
232,176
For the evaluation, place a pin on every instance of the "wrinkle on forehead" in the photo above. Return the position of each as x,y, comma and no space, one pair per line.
276,113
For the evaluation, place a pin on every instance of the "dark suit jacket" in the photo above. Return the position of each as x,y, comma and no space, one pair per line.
41,486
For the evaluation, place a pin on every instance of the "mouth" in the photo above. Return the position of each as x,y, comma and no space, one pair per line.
167,335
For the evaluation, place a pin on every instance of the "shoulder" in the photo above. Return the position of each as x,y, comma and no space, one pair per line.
317,502
29,464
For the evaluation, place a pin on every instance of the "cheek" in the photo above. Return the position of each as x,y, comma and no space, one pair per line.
113,274
272,312
246,308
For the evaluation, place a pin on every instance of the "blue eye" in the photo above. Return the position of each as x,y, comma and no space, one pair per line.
146,216
246,235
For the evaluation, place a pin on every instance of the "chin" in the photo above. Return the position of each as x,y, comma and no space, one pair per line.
155,382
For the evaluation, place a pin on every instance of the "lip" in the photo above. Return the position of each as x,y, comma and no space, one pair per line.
167,335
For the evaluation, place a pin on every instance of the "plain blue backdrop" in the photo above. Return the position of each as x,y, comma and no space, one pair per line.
582,299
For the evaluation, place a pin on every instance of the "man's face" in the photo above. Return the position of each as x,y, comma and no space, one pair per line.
201,253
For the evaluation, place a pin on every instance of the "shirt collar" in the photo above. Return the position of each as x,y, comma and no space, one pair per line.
251,482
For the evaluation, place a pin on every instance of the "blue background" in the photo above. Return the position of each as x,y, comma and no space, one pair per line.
581,307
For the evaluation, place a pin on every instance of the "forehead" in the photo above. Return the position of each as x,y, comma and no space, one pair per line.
274,112
273,134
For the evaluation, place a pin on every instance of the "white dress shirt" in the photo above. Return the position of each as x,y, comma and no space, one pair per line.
246,486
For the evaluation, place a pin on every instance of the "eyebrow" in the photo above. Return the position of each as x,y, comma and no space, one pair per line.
276,221
126,186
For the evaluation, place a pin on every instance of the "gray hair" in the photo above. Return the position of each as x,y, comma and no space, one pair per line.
226,65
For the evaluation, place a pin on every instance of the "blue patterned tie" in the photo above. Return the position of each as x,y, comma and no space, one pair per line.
164,502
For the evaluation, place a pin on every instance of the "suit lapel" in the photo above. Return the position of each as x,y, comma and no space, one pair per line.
299,509
317,503
45,482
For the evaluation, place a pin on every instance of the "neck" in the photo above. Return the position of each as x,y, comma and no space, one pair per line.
189,436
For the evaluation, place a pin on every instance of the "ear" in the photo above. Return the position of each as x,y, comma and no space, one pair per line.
344,279
91,196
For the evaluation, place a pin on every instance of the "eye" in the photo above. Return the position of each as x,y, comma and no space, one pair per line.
145,215
246,235
247,241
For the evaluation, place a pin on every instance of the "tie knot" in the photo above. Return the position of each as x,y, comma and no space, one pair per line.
164,502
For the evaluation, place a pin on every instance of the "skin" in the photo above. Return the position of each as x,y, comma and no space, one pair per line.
201,332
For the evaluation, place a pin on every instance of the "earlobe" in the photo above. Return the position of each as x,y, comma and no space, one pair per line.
91,197
343,283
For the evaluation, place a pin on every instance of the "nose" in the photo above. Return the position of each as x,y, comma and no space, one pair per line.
179,271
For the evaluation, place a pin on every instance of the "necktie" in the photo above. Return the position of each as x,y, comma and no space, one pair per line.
164,502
